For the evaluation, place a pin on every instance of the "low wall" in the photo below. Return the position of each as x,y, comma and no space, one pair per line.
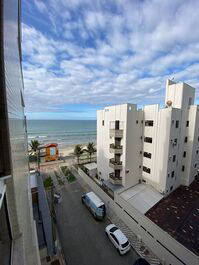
161,243
95,187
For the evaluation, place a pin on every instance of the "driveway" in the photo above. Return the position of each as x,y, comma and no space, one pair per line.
82,237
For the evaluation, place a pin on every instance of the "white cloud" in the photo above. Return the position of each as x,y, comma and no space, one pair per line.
107,52
40,5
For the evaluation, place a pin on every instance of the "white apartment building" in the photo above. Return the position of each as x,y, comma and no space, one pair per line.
153,145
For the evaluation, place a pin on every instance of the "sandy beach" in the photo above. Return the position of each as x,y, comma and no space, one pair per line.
68,150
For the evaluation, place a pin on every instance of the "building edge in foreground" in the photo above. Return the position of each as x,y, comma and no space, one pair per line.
18,238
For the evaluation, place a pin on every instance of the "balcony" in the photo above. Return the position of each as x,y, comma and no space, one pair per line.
115,164
116,133
115,180
116,149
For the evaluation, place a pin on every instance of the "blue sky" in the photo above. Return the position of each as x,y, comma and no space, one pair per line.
82,55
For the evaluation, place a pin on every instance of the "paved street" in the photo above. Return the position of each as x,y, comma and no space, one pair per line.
83,239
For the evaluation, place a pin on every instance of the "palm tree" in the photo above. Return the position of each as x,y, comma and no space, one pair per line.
33,152
90,149
78,151
34,145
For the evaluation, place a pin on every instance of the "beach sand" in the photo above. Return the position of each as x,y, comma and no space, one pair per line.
68,150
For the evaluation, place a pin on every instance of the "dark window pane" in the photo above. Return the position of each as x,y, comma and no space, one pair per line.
149,123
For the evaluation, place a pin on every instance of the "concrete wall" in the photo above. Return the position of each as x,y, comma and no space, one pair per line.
132,158
103,142
130,119
180,94
192,163
151,113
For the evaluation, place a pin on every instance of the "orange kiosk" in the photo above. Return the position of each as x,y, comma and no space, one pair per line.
49,152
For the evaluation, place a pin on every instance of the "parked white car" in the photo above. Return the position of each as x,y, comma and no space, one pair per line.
118,239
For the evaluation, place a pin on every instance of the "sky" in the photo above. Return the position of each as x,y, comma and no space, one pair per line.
83,55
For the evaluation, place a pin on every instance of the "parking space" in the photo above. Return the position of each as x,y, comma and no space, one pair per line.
83,238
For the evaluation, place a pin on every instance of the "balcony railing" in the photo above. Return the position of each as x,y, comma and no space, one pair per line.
114,179
115,146
116,149
115,164
116,133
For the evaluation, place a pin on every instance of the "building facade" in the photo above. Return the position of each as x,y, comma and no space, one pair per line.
18,240
153,145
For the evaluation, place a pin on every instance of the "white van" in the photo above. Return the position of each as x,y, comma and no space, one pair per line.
94,204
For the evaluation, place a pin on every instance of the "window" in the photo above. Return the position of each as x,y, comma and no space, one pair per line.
168,175
148,155
141,121
117,125
184,154
172,122
148,140
171,188
197,152
114,238
146,169
149,123
172,174
174,158
177,124
185,139
113,229
175,141
137,122
190,100
140,152
141,138
187,124
195,165
125,244
102,122
198,138
183,168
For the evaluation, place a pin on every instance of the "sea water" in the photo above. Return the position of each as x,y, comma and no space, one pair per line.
63,132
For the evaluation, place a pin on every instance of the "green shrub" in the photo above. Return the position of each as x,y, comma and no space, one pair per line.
60,181
71,177
48,182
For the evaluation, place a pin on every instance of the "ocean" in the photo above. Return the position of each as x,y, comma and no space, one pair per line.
63,132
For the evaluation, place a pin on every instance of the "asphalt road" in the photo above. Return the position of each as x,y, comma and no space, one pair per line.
82,237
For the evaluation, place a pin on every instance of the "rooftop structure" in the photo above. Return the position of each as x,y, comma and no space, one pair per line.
142,197
178,214
91,166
